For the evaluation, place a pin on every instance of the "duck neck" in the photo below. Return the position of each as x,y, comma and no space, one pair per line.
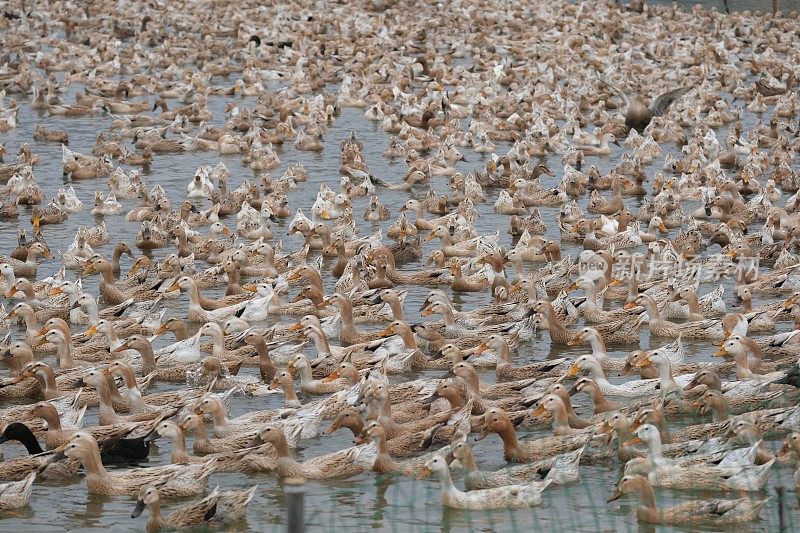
47,380
179,455
598,347
510,443
65,354
694,304
94,465
408,338
651,308
148,358
321,344
219,418
599,401
305,373
396,307
290,395
648,499
719,411
52,419
106,409
281,447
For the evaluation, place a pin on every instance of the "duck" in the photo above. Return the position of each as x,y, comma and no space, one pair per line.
711,512
509,496
341,464
496,420
175,481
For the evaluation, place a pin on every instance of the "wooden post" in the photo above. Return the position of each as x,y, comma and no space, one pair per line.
295,488
727,8
774,6
781,509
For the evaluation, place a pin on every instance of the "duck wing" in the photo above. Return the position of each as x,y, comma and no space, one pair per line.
660,104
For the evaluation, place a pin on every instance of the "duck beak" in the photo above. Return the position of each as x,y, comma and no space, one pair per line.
89,270
121,348
11,314
48,254
138,510
540,410
332,376
55,291
790,302
514,288
573,370
160,330
572,287
573,390
576,340
250,287
616,496
40,341
645,361
91,331
11,292
226,232
275,385
631,442
425,472
722,352
297,326
662,228
732,253
174,287
427,312
294,276
615,282
630,305
431,236
388,332
481,348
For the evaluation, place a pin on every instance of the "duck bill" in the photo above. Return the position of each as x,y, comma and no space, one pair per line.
514,288
55,291
174,287
11,314
138,510
722,352
250,287
294,276
160,330
388,332
40,341
539,411
572,287
430,237
662,228
89,270
297,326
483,434
573,371
481,348
576,340
91,331
10,292
361,439
790,302
425,472
616,496
615,282
645,361
631,442
121,348
331,377
427,312
573,390
630,305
